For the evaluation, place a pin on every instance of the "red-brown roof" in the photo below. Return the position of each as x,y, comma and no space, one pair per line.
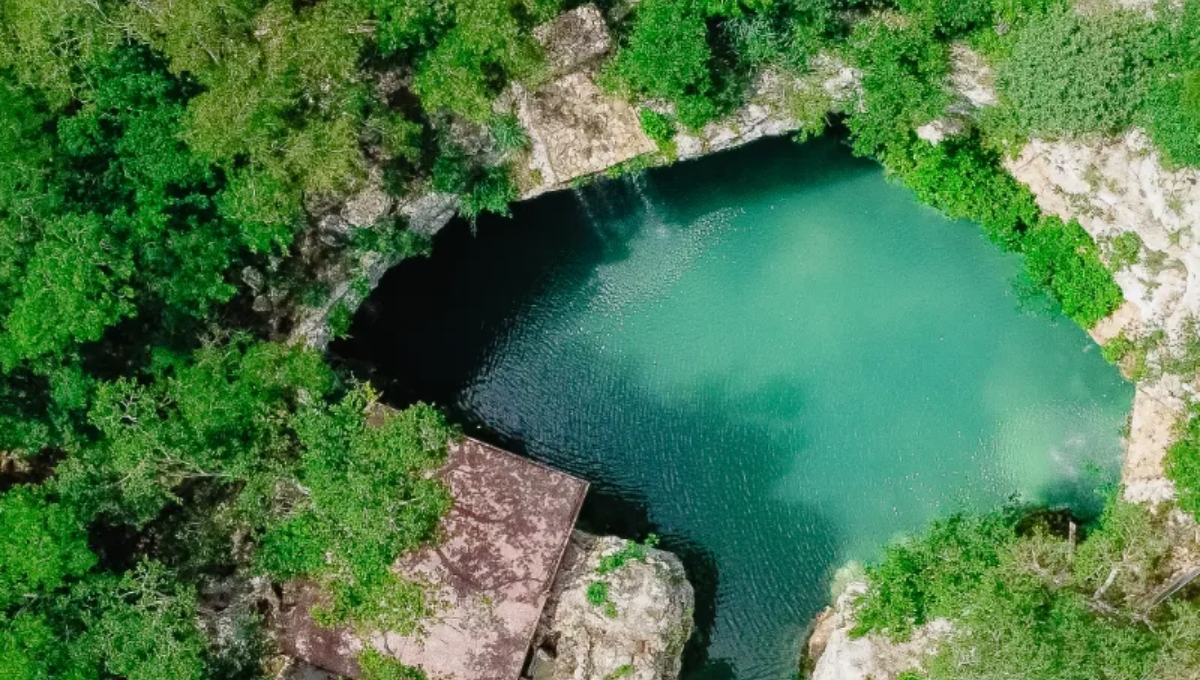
503,541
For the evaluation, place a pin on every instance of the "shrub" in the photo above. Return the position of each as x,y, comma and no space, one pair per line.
1172,117
597,596
903,69
1126,248
508,134
1027,604
1071,74
490,191
949,17
658,127
1064,259
376,666
966,181
667,55
631,551
1171,112
1183,465
925,577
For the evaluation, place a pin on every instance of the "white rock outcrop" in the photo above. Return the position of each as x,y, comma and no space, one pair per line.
1119,186
777,104
641,637
871,657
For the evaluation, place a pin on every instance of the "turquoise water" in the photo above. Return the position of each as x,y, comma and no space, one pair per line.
774,358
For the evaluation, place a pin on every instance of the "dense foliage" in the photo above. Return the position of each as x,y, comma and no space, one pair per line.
159,156
1027,600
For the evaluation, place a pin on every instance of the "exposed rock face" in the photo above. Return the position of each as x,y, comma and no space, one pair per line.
653,602
971,78
973,84
1113,186
870,657
1119,186
575,130
778,104
574,40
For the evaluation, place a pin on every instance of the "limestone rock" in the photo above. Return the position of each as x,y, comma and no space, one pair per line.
428,212
871,657
971,78
1156,411
574,40
1116,186
367,206
653,604
576,129
778,104
937,130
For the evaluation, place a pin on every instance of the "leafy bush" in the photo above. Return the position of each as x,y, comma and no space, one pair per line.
597,596
782,35
925,578
1072,74
466,66
376,666
950,18
1171,111
658,127
490,191
631,551
1063,258
508,134
1183,465
667,55
1026,603
965,181
479,189
903,69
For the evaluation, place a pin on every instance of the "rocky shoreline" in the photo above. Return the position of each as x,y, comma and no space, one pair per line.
1114,187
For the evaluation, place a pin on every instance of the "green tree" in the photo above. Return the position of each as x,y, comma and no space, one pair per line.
1071,74
368,500
667,55
903,69
44,546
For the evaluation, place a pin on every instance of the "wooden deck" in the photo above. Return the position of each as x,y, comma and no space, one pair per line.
504,540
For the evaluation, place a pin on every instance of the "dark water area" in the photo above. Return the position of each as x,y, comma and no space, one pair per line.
773,358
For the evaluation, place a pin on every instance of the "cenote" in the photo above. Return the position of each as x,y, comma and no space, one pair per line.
773,358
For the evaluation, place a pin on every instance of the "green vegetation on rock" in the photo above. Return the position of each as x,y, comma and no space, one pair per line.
1028,599
156,156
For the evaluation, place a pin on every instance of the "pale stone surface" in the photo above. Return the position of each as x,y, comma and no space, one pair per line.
1114,186
653,621
427,213
771,110
574,40
1156,411
1117,185
367,206
971,77
576,129
937,130
871,657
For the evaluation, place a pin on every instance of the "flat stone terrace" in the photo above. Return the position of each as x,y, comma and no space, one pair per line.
502,544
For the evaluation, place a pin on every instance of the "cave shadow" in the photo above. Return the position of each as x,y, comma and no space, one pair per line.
434,323
480,277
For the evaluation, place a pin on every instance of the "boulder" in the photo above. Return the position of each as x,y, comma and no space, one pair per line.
575,129
640,637
871,657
